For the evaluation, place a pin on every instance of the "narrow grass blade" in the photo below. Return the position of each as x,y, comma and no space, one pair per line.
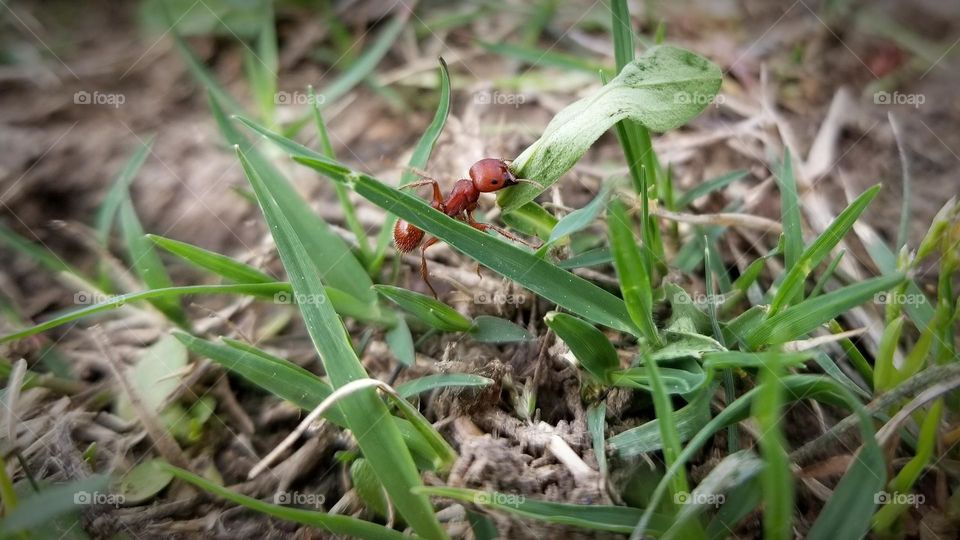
591,348
332,523
709,186
790,214
792,285
631,272
596,424
427,309
214,262
541,58
363,411
360,68
618,519
443,380
336,263
796,321
36,253
147,264
683,381
593,257
419,158
118,191
581,218
643,439
400,342
255,289
202,74
776,478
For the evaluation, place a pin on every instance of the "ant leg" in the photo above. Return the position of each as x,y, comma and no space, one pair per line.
437,194
424,273
484,227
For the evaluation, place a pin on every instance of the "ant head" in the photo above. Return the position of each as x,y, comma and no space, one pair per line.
491,174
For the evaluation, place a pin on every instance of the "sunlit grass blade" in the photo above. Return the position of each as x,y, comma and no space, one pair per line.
618,519
581,218
419,158
114,302
214,262
796,321
531,219
364,410
332,523
119,189
147,264
632,273
792,285
591,348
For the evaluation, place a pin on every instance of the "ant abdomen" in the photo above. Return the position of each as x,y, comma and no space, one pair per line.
406,236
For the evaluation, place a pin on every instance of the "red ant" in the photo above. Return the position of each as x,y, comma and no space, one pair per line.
486,176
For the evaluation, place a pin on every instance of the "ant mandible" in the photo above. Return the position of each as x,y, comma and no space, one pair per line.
486,176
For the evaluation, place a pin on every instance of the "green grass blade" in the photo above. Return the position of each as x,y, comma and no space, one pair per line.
581,218
31,250
591,348
147,264
531,219
709,186
689,420
419,158
790,214
255,289
542,58
489,329
202,74
792,285
400,342
364,411
631,272
427,309
364,65
443,380
618,519
798,320
776,478
118,191
331,523
336,263
53,501
596,424
208,260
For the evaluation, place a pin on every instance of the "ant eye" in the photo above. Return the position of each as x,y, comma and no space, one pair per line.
494,182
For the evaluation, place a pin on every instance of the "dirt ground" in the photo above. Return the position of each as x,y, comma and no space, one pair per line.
58,157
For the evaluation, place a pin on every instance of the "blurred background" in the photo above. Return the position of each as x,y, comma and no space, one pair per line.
84,84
